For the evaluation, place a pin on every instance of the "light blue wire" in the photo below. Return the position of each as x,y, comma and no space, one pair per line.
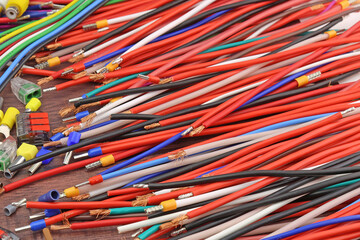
66,25
314,226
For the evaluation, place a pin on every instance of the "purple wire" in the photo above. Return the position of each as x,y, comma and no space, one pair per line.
329,6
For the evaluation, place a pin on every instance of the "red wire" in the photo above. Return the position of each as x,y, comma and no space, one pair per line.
106,223
78,205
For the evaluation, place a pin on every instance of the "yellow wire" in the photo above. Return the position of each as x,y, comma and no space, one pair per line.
20,30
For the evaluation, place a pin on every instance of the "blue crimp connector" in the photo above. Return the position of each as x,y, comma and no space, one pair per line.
44,151
81,115
95,152
57,137
74,138
50,196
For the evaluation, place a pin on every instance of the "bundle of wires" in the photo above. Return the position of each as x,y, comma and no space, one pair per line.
266,91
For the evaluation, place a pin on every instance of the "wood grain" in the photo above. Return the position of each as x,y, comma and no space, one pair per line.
52,103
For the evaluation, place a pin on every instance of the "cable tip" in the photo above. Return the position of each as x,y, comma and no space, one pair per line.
93,166
67,71
141,185
75,99
49,89
2,190
82,184
83,155
81,197
154,209
142,76
42,81
59,227
22,228
42,65
196,131
178,232
186,195
89,27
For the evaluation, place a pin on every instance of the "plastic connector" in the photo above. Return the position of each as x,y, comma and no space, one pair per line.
25,90
51,196
28,151
71,192
57,137
169,205
94,152
96,179
7,152
81,115
51,212
74,138
38,225
107,160
33,105
44,151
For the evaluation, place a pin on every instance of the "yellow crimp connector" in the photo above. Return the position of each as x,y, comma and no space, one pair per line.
54,61
10,117
112,67
20,5
344,4
102,24
28,151
72,192
34,104
331,34
168,205
107,160
303,80
1,115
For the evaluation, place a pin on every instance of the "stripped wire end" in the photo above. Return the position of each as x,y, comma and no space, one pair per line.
100,212
107,81
89,118
66,111
166,80
54,46
80,75
144,77
81,197
166,225
42,59
179,221
76,59
44,80
146,196
72,129
59,130
186,195
180,155
2,190
75,99
86,106
196,131
97,77
139,203
152,126
52,144
59,227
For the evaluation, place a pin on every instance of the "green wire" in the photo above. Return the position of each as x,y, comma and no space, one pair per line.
126,210
31,30
112,84
149,232
230,45
343,184
47,31
113,2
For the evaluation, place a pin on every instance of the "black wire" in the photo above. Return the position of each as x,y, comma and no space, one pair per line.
212,11
254,173
227,24
267,201
291,211
160,9
37,48
172,85
137,116
307,36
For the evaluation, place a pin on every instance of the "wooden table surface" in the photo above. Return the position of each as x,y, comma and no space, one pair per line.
52,102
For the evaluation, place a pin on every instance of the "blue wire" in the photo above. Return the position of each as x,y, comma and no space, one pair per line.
278,85
109,173
45,38
169,35
314,226
144,178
